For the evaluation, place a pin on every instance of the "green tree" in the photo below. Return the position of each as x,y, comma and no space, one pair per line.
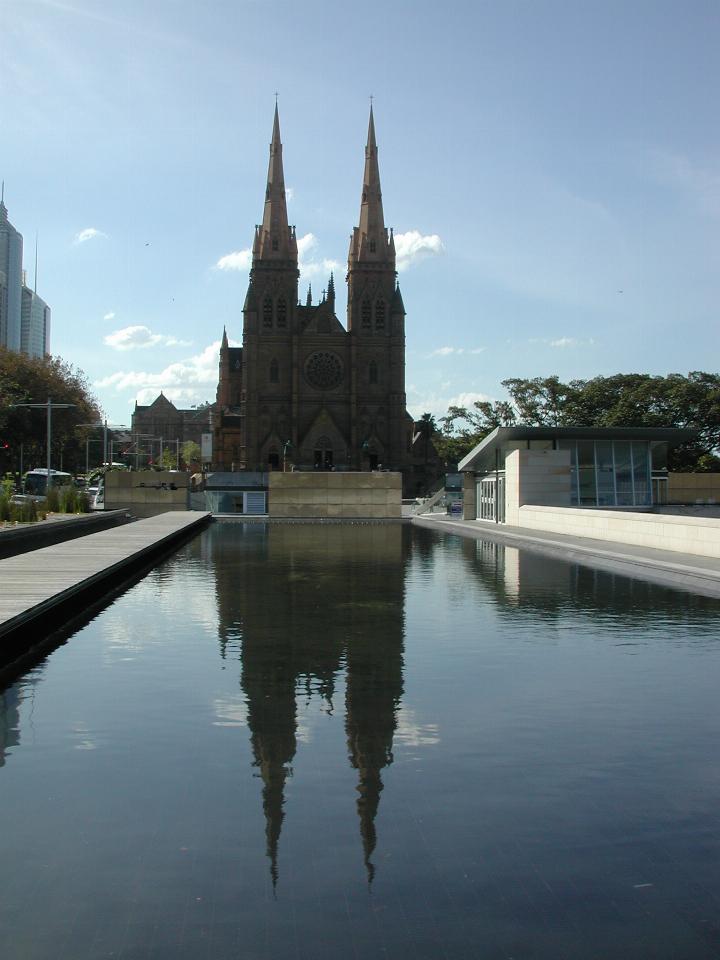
190,453
541,401
463,427
31,380
621,400
168,460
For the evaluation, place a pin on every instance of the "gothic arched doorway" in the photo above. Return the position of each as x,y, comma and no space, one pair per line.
323,456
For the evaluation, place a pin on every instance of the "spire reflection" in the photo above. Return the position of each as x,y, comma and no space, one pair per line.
304,606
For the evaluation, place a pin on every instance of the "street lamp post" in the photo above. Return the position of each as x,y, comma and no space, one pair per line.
104,425
49,406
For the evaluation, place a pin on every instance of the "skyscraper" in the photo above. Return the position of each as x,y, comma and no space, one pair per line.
24,316
34,323
11,250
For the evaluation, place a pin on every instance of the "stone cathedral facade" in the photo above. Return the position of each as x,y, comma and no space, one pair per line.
303,391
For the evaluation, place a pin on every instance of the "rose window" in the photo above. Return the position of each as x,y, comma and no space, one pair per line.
324,370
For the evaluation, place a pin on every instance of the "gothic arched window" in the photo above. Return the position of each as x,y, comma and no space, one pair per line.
274,371
275,244
373,372
282,312
267,312
380,315
365,314
372,246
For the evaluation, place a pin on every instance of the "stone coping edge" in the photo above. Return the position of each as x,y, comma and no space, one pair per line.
666,573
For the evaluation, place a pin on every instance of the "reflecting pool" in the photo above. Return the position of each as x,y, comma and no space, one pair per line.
373,741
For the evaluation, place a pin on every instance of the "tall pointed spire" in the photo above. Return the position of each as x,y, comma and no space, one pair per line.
371,211
224,344
276,240
370,238
331,292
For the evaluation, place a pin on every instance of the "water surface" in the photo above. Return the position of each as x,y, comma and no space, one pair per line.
318,741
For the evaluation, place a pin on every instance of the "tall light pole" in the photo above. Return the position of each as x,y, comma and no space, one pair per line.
104,425
49,406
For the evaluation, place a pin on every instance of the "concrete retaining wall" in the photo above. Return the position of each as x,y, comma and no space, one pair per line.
681,534
693,488
335,495
146,493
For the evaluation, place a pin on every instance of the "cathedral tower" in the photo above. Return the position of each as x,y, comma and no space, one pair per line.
376,323
269,321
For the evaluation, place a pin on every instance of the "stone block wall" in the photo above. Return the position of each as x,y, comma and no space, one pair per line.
683,534
538,477
335,495
469,496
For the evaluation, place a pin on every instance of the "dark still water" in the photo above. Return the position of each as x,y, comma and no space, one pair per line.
366,741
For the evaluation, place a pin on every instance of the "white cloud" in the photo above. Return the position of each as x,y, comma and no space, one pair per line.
467,399
305,244
321,268
186,381
438,403
457,351
129,338
109,316
239,260
562,342
90,233
289,193
309,266
413,246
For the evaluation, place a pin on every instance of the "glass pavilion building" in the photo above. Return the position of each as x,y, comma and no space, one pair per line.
609,466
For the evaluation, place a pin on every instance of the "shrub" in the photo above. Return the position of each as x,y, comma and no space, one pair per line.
52,501
28,512
67,499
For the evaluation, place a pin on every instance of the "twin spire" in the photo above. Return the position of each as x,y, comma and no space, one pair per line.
275,239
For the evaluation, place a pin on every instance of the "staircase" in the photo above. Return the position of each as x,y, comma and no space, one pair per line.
430,502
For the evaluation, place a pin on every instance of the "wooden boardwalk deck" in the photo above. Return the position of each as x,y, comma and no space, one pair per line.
38,583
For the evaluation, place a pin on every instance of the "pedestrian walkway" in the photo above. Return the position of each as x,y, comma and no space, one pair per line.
684,571
42,582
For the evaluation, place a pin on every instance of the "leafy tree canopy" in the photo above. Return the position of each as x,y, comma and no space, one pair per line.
622,400
29,380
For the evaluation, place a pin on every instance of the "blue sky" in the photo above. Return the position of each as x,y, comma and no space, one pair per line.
552,169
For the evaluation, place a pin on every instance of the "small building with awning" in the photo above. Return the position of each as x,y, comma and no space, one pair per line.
617,468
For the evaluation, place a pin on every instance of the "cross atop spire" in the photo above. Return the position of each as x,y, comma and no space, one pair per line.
274,239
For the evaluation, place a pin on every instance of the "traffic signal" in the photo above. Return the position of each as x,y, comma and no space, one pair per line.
4,445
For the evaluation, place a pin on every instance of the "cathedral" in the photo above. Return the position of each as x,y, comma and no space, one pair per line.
304,392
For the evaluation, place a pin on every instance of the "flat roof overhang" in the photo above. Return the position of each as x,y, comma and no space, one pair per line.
482,457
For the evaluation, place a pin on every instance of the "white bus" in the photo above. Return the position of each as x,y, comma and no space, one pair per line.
35,481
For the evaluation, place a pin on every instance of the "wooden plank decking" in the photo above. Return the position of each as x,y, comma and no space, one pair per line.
33,584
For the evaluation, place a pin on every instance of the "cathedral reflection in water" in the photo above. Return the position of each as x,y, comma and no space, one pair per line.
348,582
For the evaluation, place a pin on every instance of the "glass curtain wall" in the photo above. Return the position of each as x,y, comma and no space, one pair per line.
609,473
